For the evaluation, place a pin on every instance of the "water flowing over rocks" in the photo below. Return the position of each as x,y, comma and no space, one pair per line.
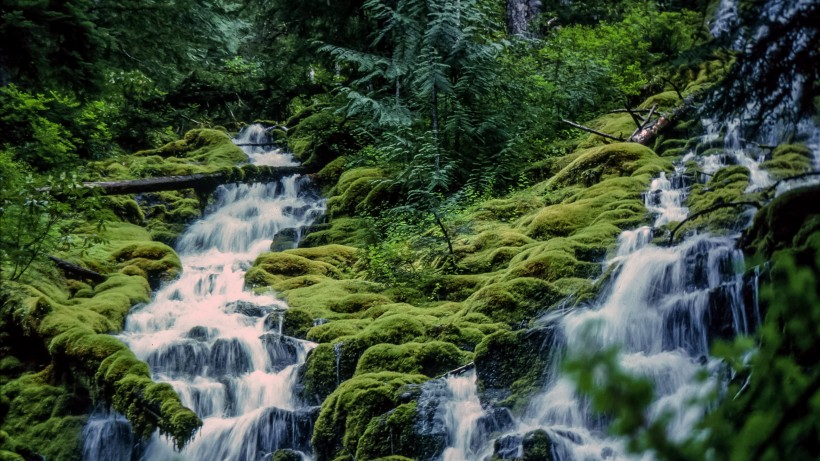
210,338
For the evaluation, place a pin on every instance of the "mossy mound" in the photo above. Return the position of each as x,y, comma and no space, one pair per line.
347,413
514,301
319,137
728,185
74,320
790,221
41,419
359,190
612,160
395,432
340,230
270,268
788,160
200,151
154,260
430,358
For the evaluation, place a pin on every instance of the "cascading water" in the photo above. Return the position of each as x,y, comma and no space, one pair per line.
218,345
660,310
462,412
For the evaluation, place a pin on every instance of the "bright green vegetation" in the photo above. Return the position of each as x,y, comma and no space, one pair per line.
460,208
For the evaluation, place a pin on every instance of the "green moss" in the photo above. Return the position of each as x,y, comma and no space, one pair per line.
788,222
664,100
75,331
619,124
359,302
341,256
319,138
432,358
618,159
200,151
514,301
286,455
331,331
319,376
511,365
296,322
159,262
340,230
393,432
726,186
320,295
788,160
347,412
42,418
270,268
354,190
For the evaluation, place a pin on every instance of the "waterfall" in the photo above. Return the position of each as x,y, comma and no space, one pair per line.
210,339
660,310
462,412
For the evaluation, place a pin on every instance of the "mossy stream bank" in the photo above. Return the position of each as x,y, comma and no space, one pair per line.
381,340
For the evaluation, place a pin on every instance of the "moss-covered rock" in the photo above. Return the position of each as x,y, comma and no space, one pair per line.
514,301
395,433
346,414
788,160
430,358
790,221
510,366
357,191
270,268
319,138
156,260
611,160
42,418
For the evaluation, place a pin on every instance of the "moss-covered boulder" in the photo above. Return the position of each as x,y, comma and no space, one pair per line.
395,435
510,366
319,138
790,221
431,358
347,413
788,160
514,301
612,160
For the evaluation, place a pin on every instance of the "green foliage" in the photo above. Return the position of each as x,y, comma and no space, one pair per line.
36,220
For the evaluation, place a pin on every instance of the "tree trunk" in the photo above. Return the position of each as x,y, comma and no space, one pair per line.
245,174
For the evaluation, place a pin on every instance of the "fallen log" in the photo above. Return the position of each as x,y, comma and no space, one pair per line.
79,271
593,131
245,174
651,130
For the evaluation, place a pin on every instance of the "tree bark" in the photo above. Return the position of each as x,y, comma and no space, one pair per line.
245,174
80,271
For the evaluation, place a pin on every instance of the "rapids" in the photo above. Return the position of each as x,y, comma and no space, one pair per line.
219,345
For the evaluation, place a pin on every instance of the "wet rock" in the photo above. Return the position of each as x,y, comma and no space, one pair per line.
246,308
508,447
292,322
201,333
186,357
285,239
283,351
537,446
229,357
507,360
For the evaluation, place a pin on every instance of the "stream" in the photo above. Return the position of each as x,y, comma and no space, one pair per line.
219,345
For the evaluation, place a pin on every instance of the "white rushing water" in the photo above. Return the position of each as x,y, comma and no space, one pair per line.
462,411
660,310
219,345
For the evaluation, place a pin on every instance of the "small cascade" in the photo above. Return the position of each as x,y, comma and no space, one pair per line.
462,413
221,347
661,309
